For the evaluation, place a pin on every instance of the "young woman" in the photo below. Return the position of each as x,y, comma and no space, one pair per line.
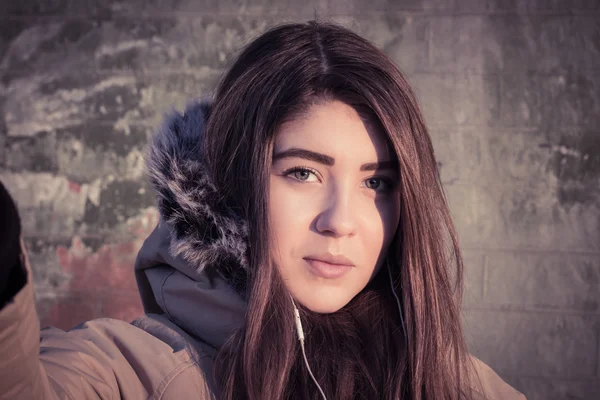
305,249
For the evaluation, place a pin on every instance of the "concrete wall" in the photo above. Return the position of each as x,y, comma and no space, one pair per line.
510,89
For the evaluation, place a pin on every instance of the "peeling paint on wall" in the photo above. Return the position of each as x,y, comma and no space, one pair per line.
99,280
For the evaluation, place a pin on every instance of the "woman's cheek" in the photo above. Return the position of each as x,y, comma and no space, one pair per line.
289,207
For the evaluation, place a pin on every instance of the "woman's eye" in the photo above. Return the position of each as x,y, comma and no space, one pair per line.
378,184
302,174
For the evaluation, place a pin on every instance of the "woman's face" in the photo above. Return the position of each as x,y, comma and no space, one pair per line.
334,205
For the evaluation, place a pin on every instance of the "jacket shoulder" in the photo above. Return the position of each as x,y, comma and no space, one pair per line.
118,357
485,384
193,377
102,358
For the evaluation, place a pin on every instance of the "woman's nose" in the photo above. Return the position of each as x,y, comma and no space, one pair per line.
338,217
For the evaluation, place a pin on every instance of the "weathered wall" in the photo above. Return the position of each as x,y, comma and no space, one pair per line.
510,89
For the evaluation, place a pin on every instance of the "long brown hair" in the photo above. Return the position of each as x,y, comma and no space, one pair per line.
361,350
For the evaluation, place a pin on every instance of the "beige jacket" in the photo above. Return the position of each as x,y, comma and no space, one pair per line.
169,352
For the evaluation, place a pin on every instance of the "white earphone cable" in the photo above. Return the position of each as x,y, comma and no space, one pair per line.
301,338
300,331
397,302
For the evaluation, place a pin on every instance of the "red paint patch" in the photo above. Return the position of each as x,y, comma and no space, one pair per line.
70,311
74,187
102,283
110,268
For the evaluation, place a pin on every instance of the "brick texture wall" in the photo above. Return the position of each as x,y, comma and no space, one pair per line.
510,90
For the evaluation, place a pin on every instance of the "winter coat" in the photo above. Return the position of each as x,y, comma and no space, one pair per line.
189,313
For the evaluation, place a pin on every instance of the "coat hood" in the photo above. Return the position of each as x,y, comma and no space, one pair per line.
190,267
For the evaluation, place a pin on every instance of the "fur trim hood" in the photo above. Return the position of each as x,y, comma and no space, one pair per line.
192,267
204,231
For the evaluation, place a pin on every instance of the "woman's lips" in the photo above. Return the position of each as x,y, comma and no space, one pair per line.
327,270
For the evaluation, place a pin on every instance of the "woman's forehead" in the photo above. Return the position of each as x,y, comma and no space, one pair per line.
337,128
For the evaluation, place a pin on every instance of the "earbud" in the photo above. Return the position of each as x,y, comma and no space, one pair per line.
298,323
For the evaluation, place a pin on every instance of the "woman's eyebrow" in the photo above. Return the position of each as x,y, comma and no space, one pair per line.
306,154
377,166
328,160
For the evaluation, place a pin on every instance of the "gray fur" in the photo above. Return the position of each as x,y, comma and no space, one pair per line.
205,232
